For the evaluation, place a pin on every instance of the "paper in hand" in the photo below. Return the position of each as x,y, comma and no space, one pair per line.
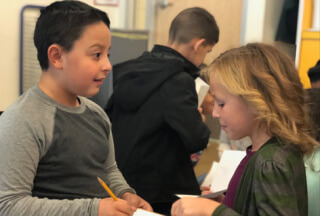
141,212
202,89
230,159
213,195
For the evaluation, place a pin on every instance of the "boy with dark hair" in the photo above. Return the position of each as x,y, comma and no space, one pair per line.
313,165
155,120
314,75
54,142
193,23
314,97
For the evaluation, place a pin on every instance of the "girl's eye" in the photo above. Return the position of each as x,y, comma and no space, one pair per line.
97,55
221,105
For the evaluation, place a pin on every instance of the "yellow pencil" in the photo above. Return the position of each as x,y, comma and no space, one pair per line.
107,189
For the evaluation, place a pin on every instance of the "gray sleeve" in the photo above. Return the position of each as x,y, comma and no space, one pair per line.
115,178
116,181
21,145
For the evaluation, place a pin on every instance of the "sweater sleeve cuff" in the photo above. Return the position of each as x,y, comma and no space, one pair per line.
95,207
219,210
130,190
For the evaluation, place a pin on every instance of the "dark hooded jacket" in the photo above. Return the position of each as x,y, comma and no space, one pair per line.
156,124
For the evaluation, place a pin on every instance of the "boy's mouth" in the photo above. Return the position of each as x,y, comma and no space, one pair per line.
99,81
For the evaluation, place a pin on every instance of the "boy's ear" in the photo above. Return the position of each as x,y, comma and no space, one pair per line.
198,43
55,55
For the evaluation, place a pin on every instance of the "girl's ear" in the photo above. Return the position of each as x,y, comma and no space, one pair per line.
198,43
55,56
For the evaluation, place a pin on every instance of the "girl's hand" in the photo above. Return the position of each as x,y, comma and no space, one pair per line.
206,190
193,206
109,207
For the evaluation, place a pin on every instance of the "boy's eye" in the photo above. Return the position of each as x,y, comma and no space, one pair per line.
221,105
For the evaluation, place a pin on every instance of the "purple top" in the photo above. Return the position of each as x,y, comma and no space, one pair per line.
233,184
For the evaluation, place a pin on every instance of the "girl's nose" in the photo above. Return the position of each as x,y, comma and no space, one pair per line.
215,112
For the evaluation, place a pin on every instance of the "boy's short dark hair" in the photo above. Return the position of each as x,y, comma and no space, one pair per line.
194,23
314,73
63,23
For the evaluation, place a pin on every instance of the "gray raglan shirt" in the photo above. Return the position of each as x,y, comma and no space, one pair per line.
51,155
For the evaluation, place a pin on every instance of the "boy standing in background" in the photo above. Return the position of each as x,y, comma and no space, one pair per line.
314,97
54,142
155,119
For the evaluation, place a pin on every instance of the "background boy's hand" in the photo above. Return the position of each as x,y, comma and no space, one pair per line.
109,207
207,104
136,201
202,115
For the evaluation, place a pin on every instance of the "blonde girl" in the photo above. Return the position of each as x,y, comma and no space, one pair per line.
258,93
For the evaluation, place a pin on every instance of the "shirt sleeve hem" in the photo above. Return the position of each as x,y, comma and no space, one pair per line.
219,210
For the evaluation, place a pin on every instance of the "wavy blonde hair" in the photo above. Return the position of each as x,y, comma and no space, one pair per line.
266,79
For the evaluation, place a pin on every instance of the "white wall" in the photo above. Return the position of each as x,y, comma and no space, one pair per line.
260,20
9,41
259,24
273,9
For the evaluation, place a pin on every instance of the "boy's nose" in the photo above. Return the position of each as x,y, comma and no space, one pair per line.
106,66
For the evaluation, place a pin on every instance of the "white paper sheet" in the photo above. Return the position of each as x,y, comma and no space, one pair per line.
211,195
185,195
202,89
209,177
141,212
220,173
229,161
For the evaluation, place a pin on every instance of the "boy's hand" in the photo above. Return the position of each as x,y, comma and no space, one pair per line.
207,104
136,201
193,206
109,207
202,115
